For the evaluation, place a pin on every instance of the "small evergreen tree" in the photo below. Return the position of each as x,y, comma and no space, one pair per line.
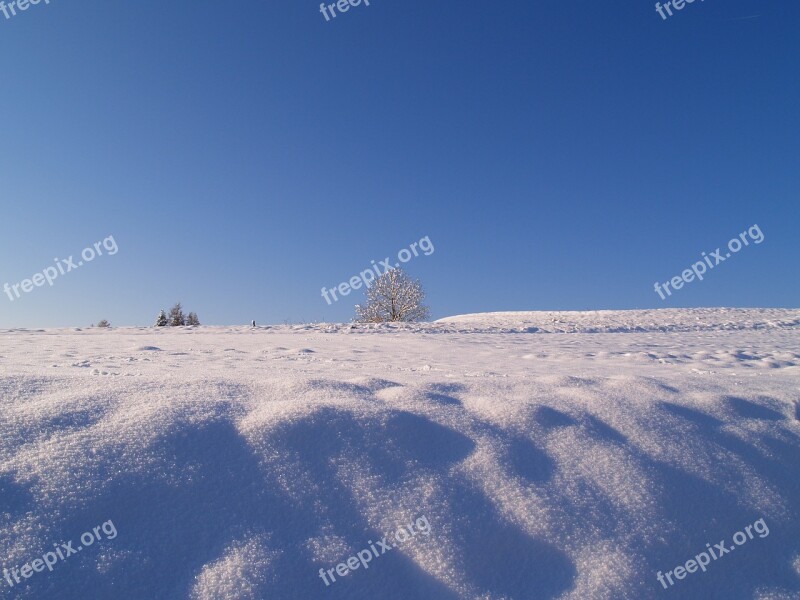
161,320
192,319
104,323
176,318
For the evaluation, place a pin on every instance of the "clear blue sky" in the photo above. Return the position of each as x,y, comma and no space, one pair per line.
560,155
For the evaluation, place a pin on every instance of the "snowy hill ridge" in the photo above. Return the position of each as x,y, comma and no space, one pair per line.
589,321
624,321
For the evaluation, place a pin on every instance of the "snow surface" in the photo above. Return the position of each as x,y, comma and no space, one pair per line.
555,455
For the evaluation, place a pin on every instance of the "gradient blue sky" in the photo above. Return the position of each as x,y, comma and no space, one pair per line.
560,155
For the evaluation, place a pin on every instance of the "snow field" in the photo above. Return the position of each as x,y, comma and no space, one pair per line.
236,463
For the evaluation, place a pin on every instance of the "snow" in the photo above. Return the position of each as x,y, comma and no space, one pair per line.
566,455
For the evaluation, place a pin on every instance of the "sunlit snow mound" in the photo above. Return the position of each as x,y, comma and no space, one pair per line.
235,463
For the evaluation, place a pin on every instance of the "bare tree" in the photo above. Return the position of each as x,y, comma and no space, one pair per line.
393,297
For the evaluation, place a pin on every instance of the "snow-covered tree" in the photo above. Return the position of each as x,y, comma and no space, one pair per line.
393,297
161,320
191,319
176,318
104,323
